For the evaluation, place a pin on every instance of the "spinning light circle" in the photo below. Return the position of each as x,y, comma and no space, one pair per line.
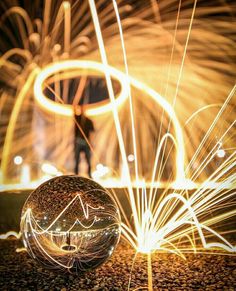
70,222
86,68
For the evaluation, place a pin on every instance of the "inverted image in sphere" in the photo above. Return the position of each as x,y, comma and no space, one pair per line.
70,222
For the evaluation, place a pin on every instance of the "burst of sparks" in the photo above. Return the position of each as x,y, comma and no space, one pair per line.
172,220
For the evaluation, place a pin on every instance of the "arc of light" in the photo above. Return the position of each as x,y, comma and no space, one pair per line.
65,109
21,25
47,11
231,94
180,157
178,251
200,110
163,140
85,209
227,246
23,14
184,54
129,90
131,107
222,186
198,225
185,51
121,209
191,242
12,121
211,155
28,219
15,51
168,74
166,135
67,32
114,109
224,168
219,172
186,206
67,23
129,235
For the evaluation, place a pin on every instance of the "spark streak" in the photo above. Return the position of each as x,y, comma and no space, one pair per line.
201,66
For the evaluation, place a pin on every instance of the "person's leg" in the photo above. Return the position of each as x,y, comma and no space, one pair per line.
88,159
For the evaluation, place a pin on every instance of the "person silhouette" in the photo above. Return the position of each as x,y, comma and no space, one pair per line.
83,128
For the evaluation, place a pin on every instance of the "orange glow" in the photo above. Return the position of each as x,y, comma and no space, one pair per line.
65,109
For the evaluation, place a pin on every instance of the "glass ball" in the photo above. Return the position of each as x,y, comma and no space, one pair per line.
70,222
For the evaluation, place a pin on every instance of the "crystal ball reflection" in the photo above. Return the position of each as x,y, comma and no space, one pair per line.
70,222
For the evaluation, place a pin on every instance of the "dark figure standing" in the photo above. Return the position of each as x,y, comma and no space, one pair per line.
83,130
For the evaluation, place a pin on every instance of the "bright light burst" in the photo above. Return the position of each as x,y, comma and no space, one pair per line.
169,70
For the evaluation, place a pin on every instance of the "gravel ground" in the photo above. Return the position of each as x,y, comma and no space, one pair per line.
199,272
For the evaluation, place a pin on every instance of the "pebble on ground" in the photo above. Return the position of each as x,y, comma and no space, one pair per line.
170,272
